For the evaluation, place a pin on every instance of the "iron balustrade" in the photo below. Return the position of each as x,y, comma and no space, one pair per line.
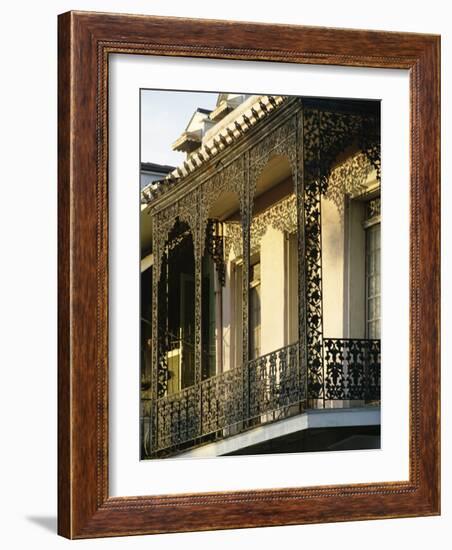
274,381
268,389
352,369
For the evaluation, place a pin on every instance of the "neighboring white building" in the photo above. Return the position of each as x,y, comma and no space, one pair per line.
151,172
261,281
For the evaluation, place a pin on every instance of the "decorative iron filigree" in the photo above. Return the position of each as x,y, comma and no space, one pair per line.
246,221
274,388
326,135
352,369
177,419
313,254
281,141
162,331
274,381
282,216
215,247
179,234
233,239
371,142
338,131
230,178
221,401
186,209
299,185
348,178
275,392
333,134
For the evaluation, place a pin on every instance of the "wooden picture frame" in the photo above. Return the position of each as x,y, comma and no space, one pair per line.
86,40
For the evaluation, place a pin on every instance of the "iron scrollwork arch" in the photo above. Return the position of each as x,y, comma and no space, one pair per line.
185,210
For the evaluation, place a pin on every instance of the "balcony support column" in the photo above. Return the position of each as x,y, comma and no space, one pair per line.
246,211
311,158
155,334
299,186
198,230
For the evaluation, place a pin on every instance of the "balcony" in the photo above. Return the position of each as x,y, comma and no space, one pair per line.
269,388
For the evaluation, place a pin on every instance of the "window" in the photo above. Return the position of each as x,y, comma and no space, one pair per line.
291,293
373,295
209,317
236,320
255,310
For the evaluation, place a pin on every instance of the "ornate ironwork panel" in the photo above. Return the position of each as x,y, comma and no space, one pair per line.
373,371
352,369
199,232
233,238
215,247
185,209
339,131
348,178
281,216
291,381
371,142
221,401
246,209
179,232
313,254
274,381
299,191
352,372
177,419
161,343
274,388
227,179
281,141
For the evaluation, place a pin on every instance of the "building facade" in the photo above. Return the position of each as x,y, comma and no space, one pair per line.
261,288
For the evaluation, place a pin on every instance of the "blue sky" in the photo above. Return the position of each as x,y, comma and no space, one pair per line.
164,116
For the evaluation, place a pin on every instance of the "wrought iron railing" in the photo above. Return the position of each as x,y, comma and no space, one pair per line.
274,381
267,389
352,369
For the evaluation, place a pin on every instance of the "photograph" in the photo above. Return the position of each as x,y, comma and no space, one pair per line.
260,290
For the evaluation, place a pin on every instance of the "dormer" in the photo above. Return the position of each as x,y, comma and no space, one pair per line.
225,104
191,138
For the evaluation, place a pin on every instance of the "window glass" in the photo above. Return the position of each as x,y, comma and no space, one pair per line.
373,281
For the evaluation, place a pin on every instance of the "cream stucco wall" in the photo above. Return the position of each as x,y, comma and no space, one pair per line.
226,331
338,277
344,266
272,291
343,284
272,259
333,259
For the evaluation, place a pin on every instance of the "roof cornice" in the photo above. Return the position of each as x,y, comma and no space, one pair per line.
232,133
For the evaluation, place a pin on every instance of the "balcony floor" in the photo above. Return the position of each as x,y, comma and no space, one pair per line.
301,433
